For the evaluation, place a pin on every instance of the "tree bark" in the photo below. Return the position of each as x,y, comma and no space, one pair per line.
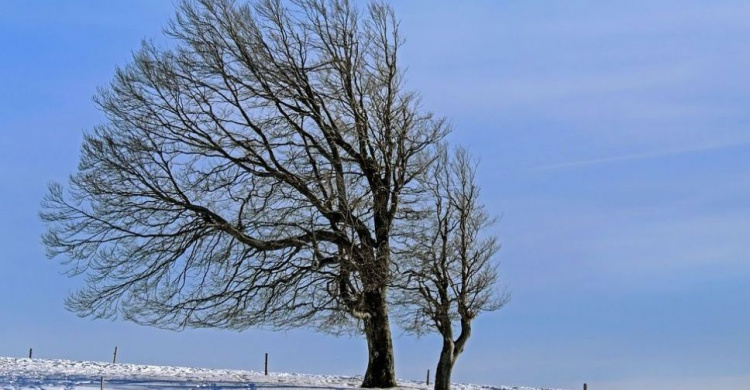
445,366
380,367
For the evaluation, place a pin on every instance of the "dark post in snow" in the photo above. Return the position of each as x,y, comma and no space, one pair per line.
101,383
30,350
428,377
266,363
114,359
585,386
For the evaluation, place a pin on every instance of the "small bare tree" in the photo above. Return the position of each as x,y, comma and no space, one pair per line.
452,278
251,174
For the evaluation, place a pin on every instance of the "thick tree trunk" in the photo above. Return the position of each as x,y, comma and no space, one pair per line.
445,366
380,367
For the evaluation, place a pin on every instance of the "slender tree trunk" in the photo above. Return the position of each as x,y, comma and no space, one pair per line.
445,366
380,367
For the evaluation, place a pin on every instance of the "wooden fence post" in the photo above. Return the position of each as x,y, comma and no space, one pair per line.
266,365
428,377
114,359
101,383
30,351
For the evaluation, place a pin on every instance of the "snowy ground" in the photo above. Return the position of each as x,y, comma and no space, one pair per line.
70,375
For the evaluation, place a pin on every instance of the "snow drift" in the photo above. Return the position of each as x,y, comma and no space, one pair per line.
72,375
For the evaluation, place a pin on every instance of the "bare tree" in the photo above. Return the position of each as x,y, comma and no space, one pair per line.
252,173
452,278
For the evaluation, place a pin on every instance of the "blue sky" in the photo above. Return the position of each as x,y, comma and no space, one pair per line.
615,144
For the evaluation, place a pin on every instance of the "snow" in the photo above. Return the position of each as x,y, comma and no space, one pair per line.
72,375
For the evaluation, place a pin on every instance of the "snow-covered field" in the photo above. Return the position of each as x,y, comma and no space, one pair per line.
71,375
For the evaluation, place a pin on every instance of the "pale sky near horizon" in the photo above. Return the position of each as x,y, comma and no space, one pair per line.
614,144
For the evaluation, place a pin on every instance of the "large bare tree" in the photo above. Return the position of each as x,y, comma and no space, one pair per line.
250,173
450,276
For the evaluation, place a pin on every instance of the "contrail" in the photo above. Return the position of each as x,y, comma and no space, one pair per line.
639,156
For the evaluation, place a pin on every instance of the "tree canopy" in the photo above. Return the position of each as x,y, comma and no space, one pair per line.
266,167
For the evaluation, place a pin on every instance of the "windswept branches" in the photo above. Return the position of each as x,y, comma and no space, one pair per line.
452,276
251,175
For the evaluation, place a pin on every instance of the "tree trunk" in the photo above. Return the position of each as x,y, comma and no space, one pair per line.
380,372
445,366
